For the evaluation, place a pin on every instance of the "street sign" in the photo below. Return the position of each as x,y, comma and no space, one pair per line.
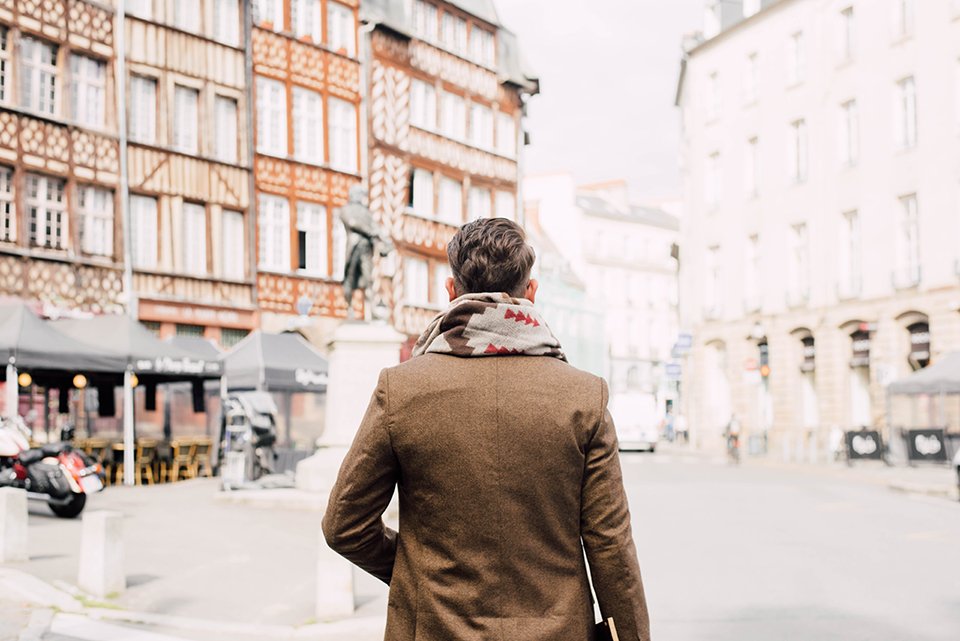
673,371
926,445
304,304
865,445
684,342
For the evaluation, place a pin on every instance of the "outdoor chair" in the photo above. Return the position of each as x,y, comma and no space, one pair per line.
146,455
184,452
201,458
97,448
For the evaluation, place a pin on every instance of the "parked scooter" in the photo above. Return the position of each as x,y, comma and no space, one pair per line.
248,436
55,473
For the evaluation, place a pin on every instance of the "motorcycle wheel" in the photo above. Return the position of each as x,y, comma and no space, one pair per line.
71,509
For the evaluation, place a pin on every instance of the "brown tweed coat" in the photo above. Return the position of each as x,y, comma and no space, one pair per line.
504,465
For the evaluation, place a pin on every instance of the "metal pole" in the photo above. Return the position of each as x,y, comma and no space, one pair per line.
120,30
129,473
12,392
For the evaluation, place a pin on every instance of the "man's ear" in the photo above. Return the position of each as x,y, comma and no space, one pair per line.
451,285
531,292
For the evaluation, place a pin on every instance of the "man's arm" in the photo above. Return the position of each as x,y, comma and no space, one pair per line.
353,525
607,538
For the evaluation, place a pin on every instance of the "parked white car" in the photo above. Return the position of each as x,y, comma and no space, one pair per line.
635,417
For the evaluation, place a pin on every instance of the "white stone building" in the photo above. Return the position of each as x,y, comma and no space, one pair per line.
821,166
623,255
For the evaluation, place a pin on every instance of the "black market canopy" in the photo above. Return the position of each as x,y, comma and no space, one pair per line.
942,377
145,354
275,363
32,344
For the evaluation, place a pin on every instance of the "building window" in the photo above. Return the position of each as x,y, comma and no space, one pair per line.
142,118
185,116
144,231
193,245
713,181
848,34
88,84
268,14
423,105
956,91
751,280
506,135
450,202
226,22
849,139
751,173
96,220
482,48
343,135
193,331
799,286
481,127
186,15
906,110
919,345
308,125
234,242
152,326
908,244
713,96
416,281
225,139
798,151
850,256
422,197
4,64
140,8
425,20
479,203
230,336
751,79
8,207
39,85
713,296
796,59
312,238
341,29
453,122
305,16
339,252
506,205
903,14
455,34
271,117
274,241
47,211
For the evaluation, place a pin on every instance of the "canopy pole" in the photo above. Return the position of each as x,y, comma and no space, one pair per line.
129,462
12,392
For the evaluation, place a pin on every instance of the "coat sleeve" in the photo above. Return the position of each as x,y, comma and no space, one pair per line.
353,524
607,537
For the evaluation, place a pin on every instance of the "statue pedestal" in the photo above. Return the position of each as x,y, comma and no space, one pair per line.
358,352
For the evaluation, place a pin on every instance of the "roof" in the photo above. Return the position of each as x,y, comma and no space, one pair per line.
275,362
123,336
511,68
596,206
943,376
203,347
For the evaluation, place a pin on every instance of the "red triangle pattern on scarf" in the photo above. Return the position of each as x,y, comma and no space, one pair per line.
520,317
493,349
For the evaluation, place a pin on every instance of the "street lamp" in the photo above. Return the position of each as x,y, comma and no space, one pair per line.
80,381
24,379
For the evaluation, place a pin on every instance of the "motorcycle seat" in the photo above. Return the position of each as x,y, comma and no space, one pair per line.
54,449
28,457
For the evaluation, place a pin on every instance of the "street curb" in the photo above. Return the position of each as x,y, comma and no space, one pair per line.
287,499
925,490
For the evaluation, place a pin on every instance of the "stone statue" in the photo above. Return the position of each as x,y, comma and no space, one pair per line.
364,237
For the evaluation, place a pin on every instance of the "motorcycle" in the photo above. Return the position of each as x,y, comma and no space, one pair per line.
55,473
248,436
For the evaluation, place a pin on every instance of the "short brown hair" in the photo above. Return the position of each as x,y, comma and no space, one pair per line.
491,255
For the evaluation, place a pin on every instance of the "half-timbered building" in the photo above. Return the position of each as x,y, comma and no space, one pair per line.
307,126
188,166
60,233
446,98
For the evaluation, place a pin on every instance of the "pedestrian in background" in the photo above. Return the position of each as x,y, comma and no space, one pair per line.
507,465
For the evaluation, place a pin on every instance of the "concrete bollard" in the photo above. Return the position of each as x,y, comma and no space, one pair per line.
101,554
13,525
335,593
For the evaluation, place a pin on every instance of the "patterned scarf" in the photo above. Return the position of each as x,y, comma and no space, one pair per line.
489,325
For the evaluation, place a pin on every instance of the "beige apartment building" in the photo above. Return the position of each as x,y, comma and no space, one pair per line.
819,260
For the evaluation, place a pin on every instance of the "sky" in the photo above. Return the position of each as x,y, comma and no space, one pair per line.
608,76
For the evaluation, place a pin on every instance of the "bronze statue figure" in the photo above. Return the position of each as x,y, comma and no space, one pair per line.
364,237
